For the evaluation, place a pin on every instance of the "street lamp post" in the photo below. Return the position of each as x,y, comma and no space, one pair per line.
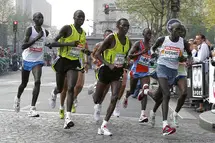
175,7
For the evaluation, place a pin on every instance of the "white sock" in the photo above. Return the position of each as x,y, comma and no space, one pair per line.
33,108
18,99
61,107
165,123
146,91
97,106
68,115
104,123
142,112
175,113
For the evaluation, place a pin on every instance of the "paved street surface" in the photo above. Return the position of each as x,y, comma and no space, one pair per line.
48,128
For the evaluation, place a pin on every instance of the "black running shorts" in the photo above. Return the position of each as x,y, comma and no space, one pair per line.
106,75
62,65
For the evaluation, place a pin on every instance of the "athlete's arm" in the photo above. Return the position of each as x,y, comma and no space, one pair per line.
126,66
27,42
47,33
187,48
104,46
94,52
63,34
135,48
157,44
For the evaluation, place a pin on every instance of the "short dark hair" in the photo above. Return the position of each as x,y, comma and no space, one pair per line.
35,14
77,11
145,29
202,36
108,30
118,21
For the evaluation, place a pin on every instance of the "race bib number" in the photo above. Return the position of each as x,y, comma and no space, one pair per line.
143,61
37,46
75,52
119,60
171,52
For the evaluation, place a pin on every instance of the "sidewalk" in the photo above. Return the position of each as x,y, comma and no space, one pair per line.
48,128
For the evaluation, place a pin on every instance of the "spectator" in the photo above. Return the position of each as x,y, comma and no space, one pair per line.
200,54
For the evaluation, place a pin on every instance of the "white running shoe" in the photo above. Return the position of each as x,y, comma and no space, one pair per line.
75,102
174,119
152,118
16,105
68,123
33,112
104,131
116,112
143,119
52,101
97,112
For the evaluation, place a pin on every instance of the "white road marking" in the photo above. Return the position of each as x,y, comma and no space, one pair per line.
79,114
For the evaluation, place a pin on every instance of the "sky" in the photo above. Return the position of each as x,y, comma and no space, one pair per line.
63,10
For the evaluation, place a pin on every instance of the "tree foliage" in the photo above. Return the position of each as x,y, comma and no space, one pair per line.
6,10
209,13
156,13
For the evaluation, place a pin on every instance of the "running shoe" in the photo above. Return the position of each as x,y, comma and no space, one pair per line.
143,119
68,123
97,112
104,131
152,118
116,111
61,113
174,119
73,108
16,105
168,130
33,112
52,101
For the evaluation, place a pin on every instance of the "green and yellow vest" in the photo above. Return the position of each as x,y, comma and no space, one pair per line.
73,53
117,54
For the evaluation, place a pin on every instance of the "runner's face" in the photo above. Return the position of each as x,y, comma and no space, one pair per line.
106,34
176,30
38,19
182,32
123,26
79,18
147,34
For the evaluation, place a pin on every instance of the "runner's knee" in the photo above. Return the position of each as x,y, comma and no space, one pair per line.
37,83
114,98
71,89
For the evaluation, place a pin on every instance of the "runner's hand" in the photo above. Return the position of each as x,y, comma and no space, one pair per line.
154,55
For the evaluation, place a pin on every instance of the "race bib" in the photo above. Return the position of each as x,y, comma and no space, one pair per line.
171,52
75,52
119,60
37,46
143,61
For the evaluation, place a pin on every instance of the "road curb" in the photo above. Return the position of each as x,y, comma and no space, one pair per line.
207,121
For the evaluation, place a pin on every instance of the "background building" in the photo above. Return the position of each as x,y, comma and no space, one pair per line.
32,6
102,21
